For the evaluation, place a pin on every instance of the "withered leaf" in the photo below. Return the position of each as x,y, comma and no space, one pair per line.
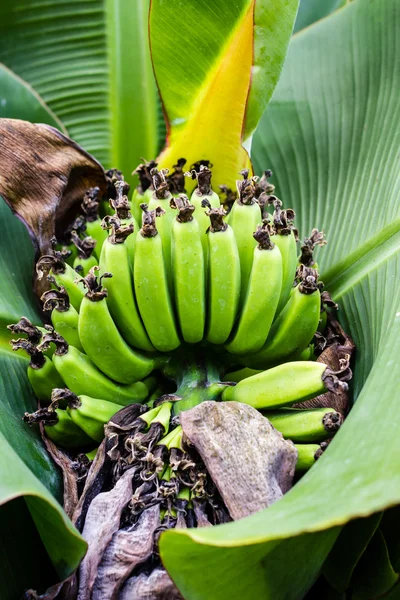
43,177
127,549
249,461
102,521
156,586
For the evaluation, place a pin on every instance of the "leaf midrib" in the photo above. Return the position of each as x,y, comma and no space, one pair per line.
366,258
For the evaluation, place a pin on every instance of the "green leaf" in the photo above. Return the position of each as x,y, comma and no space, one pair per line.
27,470
216,66
374,575
19,99
89,60
349,547
314,10
331,135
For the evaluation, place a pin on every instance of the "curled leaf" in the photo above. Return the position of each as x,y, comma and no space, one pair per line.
43,177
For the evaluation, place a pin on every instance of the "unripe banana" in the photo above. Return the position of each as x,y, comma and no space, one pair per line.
203,196
120,298
285,239
244,218
90,414
307,454
82,376
42,373
223,278
284,385
162,197
90,208
101,339
59,427
64,317
305,426
63,274
85,259
295,326
151,285
143,193
188,272
262,296
160,414
240,374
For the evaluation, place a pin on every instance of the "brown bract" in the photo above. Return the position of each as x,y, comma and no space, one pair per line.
43,177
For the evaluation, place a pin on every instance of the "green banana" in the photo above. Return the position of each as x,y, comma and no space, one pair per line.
42,373
143,193
159,414
203,196
314,425
64,317
188,270
63,274
85,259
285,239
244,218
162,197
120,298
151,285
295,326
262,296
90,208
101,339
90,414
82,376
240,374
223,277
307,454
123,213
284,385
59,427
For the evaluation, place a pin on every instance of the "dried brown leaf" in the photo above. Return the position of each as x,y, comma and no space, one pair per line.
156,586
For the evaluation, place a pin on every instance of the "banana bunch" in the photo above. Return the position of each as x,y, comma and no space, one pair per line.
137,311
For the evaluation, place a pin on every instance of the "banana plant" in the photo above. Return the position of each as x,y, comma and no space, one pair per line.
330,134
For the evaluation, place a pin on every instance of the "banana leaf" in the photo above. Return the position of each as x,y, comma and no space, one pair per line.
90,62
314,10
331,135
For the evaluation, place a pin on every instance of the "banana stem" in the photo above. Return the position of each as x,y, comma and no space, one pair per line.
197,378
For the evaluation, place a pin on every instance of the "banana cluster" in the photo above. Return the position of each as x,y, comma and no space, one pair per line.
136,309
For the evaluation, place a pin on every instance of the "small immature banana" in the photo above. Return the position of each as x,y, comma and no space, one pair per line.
63,274
64,317
188,272
59,427
120,299
101,339
244,218
307,454
160,414
42,374
151,285
90,414
295,326
203,196
162,197
223,277
284,385
285,239
305,426
90,208
82,376
85,259
261,298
